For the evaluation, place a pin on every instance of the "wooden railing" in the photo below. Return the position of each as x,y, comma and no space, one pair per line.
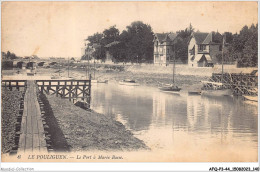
70,89
14,84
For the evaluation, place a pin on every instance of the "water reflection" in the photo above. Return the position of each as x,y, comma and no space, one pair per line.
147,111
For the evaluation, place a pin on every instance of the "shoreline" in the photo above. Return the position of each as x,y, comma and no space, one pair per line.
82,130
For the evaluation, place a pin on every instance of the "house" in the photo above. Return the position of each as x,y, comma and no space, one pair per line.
164,48
203,49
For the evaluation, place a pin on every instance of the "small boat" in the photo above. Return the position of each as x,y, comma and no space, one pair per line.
194,92
251,98
170,89
129,82
99,81
221,92
102,81
215,89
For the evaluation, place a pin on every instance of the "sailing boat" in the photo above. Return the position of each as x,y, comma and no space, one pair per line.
216,88
171,88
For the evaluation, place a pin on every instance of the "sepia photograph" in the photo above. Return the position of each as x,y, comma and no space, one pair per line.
129,81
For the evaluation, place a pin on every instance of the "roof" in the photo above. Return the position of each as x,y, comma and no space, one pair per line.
213,37
170,37
199,57
200,37
208,57
112,43
208,39
163,37
217,37
160,36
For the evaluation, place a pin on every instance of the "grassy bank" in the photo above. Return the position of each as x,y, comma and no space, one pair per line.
10,110
84,130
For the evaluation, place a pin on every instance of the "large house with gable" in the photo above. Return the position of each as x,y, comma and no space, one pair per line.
203,49
163,48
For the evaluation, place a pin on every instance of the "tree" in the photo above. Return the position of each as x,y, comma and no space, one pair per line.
95,39
110,35
181,45
138,39
244,46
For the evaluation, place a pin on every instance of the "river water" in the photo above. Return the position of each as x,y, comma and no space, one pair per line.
224,128
182,127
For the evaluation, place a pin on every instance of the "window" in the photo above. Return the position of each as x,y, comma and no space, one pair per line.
220,47
161,49
192,51
168,51
202,47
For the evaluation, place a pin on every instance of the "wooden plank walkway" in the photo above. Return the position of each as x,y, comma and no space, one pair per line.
32,131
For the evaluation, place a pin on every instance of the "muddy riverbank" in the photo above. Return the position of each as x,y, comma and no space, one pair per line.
151,79
10,111
85,130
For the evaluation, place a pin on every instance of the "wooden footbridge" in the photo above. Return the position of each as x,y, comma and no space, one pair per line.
32,136
30,127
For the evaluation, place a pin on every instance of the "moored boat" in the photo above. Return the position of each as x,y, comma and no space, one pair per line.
170,89
102,81
194,92
215,89
220,92
251,98
129,82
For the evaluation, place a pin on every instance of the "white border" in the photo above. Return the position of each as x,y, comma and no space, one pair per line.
127,166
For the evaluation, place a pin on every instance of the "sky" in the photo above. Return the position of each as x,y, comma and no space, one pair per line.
58,29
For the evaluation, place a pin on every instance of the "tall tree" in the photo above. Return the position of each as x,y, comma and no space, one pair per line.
95,38
245,46
110,35
182,42
139,42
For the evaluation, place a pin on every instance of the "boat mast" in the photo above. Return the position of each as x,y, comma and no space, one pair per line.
173,65
222,72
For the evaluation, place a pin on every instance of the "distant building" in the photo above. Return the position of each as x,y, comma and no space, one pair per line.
31,65
21,65
203,48
163,48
